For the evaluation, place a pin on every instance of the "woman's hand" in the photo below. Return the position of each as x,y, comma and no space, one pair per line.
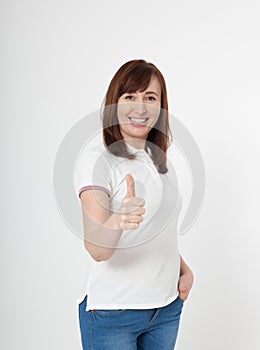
132,208
185,282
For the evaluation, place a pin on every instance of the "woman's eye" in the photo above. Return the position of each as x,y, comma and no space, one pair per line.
130,97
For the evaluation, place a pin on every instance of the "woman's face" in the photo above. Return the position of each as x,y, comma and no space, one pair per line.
138,112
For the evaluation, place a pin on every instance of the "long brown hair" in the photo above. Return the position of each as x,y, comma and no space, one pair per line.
132,76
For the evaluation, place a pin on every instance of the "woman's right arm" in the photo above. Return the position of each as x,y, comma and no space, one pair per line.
103,229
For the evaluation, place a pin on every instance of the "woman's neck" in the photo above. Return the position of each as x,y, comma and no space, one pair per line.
137,143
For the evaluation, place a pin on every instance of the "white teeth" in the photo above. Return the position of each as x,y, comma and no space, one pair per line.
138,120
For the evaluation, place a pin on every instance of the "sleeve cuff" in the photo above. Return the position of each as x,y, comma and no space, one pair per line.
94,187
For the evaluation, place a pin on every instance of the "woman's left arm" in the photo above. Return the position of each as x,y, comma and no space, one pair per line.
185,280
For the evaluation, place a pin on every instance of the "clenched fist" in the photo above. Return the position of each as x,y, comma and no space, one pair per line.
132,207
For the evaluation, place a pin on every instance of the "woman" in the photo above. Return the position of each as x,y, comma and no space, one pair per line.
139,281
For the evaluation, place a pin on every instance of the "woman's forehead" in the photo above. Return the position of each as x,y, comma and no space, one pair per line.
152,86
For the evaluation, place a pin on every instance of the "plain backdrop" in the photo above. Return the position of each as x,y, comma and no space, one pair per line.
57,59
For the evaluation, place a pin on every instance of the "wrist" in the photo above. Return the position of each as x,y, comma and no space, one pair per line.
113,222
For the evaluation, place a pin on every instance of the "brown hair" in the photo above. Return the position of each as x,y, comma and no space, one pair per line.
132,76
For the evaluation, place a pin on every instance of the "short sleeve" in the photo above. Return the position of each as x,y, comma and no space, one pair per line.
91,171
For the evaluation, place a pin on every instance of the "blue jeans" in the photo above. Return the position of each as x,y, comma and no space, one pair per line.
130,329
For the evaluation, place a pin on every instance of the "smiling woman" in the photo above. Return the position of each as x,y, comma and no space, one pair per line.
128,194
136,110
142,114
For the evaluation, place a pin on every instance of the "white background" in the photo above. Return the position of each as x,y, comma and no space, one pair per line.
57,59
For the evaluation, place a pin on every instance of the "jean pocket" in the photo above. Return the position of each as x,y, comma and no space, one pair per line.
181,299
108,311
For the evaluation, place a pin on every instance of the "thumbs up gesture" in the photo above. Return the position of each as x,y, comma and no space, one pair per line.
132,207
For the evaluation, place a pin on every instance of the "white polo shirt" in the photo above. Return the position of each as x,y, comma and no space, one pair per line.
144,270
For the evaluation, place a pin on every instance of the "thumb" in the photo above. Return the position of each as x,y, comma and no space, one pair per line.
130,186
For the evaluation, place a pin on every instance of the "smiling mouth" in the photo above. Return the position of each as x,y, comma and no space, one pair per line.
138,120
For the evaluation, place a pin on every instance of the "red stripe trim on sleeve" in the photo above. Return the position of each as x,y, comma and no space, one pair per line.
91,187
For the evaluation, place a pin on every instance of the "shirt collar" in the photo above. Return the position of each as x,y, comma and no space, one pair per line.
137,150
134,149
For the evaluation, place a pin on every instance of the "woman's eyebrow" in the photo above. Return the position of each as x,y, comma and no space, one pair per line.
151,92
147,92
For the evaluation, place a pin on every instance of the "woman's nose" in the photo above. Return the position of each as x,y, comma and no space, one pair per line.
140,108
